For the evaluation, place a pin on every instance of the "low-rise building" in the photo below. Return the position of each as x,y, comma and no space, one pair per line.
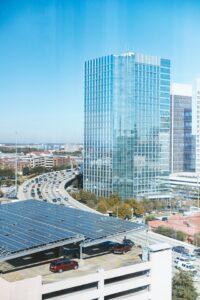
190,225
184,184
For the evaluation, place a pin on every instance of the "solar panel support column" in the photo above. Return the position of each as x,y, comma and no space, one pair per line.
81,252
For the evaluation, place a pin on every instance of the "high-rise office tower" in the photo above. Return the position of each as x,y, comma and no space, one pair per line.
127,124
198,126
181,156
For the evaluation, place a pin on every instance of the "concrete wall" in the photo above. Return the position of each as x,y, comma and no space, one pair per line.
27,289
161,275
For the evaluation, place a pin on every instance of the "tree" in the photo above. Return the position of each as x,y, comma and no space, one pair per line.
38,170
123,210
136,206
170,232
113,201
1,194
102,206
197,239
7,173
147,205
181,236
150,218
26,171
86,198
183,287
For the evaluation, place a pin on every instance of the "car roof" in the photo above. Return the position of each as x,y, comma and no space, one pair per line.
60,260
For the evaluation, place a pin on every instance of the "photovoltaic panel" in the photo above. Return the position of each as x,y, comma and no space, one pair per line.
30,224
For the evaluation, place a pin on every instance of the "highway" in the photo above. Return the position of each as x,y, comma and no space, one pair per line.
50,187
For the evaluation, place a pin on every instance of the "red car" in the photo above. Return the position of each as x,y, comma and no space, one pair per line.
121,249
63,264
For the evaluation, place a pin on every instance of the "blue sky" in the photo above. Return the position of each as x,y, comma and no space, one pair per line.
44,43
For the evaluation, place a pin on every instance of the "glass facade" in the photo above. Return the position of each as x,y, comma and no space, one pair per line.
127,124
181,134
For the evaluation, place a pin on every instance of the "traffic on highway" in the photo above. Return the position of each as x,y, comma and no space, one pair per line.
50,187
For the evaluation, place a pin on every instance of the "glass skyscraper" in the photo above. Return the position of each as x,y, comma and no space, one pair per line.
181,128
126,125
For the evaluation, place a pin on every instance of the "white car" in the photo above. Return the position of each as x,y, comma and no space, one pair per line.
186,266
179,259
191,256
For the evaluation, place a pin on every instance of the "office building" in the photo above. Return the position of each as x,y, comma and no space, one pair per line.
198,126
181,157
127,124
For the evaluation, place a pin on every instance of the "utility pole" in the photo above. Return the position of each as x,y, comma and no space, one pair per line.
16,164
71,163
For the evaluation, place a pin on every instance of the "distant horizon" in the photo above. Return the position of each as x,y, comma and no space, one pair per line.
41,143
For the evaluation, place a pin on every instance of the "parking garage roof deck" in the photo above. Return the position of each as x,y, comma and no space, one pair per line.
22,269
32,226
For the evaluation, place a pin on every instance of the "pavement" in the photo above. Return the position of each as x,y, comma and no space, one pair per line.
87,266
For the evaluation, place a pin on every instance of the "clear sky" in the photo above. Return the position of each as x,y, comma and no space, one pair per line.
44,43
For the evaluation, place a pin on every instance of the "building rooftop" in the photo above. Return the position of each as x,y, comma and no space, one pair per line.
190,225
19,269
180,89
31,226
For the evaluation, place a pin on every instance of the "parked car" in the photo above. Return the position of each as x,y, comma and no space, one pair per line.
190,256
71,252
186,266
63,264
121,249
196,252
180,249
181,259
128,242
108,245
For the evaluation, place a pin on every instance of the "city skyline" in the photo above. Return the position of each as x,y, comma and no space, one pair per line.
44,45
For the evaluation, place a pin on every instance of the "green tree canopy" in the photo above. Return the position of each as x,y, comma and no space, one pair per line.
197,239
170,232
102,206
183,287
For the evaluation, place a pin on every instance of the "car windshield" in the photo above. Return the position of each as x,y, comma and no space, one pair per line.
55,263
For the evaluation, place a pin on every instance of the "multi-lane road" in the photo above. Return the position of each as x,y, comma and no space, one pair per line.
50,187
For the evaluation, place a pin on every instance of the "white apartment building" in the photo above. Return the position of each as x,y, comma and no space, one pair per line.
41,161
151,279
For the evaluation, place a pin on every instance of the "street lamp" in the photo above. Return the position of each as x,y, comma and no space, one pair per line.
16,164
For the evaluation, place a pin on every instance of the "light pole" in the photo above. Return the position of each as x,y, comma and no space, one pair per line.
16,164
132,210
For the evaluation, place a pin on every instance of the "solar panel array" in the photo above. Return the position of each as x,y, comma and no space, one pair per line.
32,223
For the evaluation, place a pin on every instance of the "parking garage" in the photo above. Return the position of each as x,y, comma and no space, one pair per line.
32,226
